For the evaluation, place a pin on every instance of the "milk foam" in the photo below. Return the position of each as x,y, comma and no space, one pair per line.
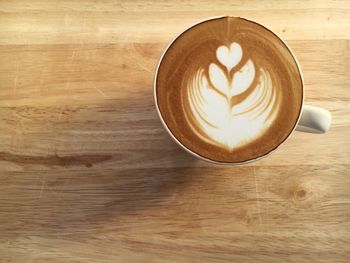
230,111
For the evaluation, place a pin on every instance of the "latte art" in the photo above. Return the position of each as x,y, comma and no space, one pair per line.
230,111
229,90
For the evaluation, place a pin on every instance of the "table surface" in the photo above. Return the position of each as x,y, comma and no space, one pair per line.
88,174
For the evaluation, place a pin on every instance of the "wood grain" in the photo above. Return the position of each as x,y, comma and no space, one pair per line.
88,173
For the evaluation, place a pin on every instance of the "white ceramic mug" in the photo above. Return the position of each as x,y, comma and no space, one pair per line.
311,119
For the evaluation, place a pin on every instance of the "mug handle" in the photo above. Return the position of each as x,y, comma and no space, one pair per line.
314,120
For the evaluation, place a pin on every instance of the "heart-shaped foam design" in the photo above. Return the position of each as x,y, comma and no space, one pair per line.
229,57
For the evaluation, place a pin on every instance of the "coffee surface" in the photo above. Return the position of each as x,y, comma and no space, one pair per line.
229,89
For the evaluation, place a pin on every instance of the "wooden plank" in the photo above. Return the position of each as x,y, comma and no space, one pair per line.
123,26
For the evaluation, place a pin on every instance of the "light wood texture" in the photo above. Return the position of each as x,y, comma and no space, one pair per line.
88,174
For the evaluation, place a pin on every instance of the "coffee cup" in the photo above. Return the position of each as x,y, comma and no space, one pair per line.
230,91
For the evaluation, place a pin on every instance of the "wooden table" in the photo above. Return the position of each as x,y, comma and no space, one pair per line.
88,174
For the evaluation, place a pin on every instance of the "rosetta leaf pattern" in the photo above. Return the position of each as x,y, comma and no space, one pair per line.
211,113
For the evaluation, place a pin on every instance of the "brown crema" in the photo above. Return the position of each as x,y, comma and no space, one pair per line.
196,49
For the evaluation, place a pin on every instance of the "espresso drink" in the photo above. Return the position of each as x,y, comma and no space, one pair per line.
229,90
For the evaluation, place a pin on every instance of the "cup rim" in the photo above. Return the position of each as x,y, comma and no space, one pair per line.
197,154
